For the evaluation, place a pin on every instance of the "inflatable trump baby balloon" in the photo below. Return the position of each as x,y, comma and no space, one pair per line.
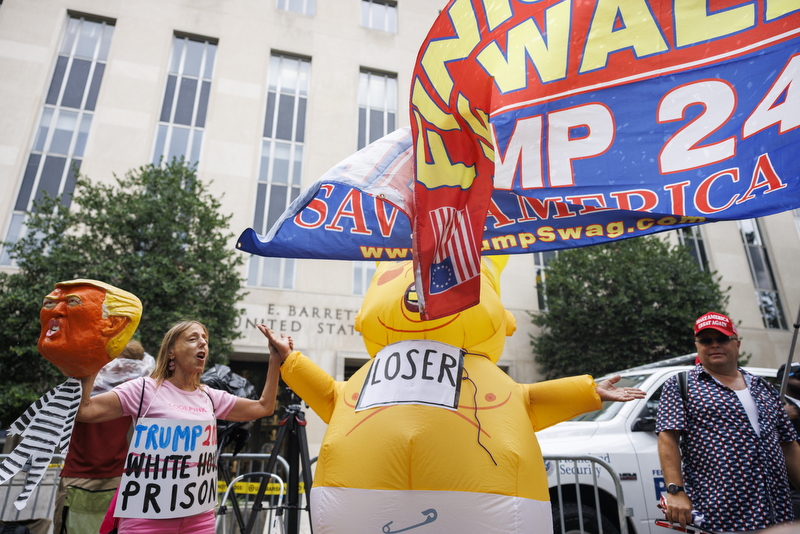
430,431
85,325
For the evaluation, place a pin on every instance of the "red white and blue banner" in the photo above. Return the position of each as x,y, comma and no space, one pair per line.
553,124
599,120
356,211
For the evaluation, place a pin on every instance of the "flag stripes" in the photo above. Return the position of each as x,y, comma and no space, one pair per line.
453,238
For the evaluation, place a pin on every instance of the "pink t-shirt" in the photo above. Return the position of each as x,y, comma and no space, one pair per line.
172,402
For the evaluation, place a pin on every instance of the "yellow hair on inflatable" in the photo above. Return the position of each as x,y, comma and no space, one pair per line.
473,466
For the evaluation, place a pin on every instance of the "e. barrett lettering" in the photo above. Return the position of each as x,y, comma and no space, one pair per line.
299,318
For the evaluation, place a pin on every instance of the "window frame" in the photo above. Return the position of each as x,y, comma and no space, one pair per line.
54,114
776,321
308,9
163,150
258,268
696,244
368,11
388,108
541,264
363,272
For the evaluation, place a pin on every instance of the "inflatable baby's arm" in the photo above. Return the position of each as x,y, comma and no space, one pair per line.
553,401
316,387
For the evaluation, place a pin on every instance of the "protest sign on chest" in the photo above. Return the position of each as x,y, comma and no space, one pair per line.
171,469
414,372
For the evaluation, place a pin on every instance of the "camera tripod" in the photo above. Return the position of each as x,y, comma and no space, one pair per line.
293,427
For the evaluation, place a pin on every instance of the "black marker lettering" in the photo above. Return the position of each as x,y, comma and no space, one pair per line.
426,363
413,365
397,367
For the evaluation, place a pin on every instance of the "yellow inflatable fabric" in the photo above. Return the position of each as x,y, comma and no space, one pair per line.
475,469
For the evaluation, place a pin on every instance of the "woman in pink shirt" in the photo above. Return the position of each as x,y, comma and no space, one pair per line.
169,482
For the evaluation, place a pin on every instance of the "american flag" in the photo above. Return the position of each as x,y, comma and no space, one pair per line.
457,258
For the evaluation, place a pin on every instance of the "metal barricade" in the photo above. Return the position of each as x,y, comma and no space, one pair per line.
273,523
249,463
582,497
571,497
232,468
41,503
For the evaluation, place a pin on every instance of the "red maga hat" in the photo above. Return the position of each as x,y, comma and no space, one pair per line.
717,321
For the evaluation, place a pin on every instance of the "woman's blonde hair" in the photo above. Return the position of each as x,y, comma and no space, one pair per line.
162,371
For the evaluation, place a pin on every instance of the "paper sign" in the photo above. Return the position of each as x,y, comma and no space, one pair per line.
414,372
170,471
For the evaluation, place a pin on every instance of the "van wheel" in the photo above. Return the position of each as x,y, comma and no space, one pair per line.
572,523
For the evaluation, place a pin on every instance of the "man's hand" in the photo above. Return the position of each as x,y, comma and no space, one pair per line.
791,454
679,509
792,411
283,345
608,392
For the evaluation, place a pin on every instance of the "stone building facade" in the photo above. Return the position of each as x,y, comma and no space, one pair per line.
265,97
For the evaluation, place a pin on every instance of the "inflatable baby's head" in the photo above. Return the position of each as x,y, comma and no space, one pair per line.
390,313
86,324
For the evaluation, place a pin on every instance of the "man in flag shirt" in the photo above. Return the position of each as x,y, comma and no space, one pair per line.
735,440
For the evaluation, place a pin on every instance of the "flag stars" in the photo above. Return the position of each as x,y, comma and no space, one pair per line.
442,277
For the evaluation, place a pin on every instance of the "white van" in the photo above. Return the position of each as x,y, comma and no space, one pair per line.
622,434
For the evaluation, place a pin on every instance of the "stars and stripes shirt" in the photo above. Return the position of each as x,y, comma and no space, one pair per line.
735,477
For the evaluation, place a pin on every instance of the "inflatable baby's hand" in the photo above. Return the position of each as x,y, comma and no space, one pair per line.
608,392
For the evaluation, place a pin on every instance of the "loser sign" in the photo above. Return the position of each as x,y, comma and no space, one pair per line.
414,372
171,469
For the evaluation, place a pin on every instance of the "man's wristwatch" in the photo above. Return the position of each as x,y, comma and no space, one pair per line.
672,489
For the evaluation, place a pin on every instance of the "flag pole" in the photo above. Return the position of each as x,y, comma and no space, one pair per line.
787,369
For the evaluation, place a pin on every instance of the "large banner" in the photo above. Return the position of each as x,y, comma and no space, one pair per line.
548,125
599,120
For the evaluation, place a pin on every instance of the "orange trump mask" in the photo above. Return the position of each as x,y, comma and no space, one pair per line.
86,324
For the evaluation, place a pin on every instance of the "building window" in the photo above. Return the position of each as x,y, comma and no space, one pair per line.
379,15
691,238
377,106
766,291
183,112
65,120
541,261
306,7
363,271
281,167
796,213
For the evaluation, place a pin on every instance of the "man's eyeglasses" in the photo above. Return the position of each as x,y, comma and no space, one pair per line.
721,340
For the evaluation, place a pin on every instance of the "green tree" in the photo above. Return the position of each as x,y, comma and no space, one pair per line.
621,304
157,232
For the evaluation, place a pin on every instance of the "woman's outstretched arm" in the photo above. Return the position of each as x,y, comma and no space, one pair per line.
248,409
100,408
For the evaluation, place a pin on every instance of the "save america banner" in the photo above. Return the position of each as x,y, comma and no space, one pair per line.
548,125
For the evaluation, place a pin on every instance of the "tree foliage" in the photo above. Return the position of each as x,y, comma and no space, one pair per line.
157,232
621,304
